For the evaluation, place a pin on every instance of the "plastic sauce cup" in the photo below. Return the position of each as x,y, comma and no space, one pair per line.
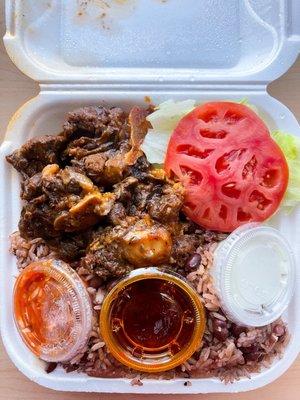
52,310
152,320
254,274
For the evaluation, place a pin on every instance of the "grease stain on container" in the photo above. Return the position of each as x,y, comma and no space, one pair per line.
105,13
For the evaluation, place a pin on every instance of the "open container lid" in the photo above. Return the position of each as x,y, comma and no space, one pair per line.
150,41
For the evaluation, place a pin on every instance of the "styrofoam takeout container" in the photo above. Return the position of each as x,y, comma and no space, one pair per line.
116,53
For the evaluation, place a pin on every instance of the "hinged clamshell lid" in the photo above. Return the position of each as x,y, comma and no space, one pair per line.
150,41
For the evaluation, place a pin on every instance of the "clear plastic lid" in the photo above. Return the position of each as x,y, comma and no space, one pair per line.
52,310
254,274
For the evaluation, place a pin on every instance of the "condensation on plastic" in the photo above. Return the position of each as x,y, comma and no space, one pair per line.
169,49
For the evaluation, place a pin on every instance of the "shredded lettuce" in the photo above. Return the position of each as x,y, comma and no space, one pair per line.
290,145
155,146
164,120
167,114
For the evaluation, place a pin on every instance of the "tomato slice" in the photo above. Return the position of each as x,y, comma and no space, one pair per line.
232,170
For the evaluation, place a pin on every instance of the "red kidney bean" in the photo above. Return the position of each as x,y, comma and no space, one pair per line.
255,356
50,367
95,282
237,329
193,262
250,349
220,329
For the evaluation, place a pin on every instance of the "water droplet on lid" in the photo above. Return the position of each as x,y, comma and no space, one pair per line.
282,116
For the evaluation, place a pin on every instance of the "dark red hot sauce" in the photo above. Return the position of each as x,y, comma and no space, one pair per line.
152,316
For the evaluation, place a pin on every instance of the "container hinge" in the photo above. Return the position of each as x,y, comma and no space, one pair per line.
154,87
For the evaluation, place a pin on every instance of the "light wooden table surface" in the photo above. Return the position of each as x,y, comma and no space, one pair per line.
15,89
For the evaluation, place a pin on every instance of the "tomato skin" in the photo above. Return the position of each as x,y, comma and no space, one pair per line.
232,170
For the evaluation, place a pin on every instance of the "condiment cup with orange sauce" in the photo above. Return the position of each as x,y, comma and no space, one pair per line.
52,310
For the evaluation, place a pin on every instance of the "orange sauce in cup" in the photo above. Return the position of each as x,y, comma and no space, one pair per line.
52,310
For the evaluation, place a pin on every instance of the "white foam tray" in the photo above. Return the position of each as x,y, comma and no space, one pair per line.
204,61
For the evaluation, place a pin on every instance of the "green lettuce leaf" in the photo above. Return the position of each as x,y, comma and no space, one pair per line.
167,114
290,145
246,102
164,120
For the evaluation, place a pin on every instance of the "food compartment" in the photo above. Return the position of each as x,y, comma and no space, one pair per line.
45,114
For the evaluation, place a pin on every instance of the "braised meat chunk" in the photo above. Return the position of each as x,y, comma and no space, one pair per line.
146,243
110,165
67,201
36,153
36,220
72,246
31,187
141,242
138,243
97,122
117,215
94,130
159,198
